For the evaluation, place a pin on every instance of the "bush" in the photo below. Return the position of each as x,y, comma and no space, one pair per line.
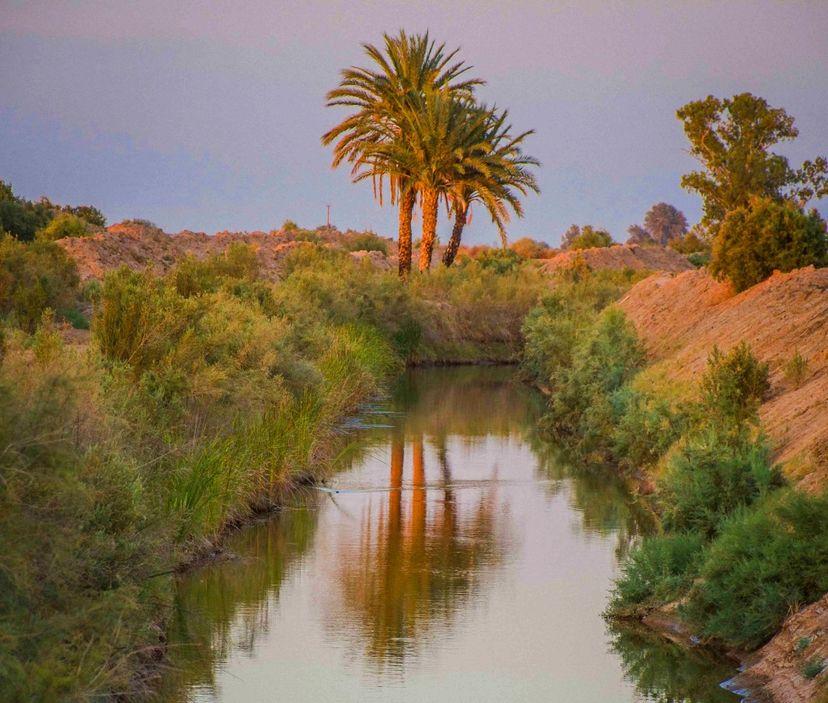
590,237
767,236
768,560
365,241
733,386
709,478
530,248
64,225
656,573
34,277
796,370
498,260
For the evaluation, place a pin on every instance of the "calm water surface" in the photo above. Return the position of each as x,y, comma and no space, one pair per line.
456,560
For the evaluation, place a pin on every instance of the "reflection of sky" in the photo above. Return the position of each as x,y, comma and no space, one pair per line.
208,116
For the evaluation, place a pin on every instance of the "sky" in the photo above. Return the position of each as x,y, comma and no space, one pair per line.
207,116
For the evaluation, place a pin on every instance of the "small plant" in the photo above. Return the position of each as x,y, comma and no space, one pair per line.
802,644
813,668
796,369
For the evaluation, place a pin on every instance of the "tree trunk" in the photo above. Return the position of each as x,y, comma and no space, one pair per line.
456,235
404,233
430,200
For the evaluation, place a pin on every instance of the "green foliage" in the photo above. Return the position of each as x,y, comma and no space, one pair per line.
365,241
712,476
764,236
733,386
796,370
732,139
585,237
813,668
498,260
530,248
657,572
64,225
34,277
767,560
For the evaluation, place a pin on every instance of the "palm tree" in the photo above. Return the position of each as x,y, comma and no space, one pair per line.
489,175
382,98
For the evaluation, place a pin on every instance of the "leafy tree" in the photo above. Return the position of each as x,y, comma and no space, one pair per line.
20,217
585,237
86,212
766,236
530,248
382,98
664,223
732,139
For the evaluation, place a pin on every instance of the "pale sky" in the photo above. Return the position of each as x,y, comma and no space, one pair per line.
207,116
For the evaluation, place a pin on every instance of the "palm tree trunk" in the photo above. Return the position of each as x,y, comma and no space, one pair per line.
456,235
430,200
404,233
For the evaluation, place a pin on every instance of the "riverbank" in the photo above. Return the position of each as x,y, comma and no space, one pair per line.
698,433
198,400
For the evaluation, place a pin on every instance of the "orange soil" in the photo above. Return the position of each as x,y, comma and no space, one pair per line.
681,317
622,256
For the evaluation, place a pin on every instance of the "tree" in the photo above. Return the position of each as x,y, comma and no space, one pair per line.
62,226
663,223
764,236
638,235
382,98
585,237
491,169
530,248
732,139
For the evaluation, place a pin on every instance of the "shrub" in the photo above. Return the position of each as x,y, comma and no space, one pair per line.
813,668
709,478
64,225
365,241
590,237
530,248
656,573
498,260
733,386
767,560
766,236
796,370
34,277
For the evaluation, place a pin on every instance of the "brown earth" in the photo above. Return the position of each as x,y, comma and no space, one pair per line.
622,256
779,666
141,245
681,317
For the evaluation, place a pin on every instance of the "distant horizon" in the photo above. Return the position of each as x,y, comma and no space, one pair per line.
209,118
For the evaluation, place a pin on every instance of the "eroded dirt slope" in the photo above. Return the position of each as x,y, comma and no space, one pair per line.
622,256
681,317
140,246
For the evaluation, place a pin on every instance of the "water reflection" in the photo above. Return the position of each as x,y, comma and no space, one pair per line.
457,558
422,554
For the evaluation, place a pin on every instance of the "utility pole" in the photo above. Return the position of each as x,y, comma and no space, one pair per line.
328,219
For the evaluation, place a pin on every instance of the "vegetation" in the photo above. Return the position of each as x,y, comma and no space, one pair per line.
203,396
585,237
416,127
23,219
663,224
766,236
753,200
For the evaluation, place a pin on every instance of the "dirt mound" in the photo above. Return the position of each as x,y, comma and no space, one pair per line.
780,666
140,245
622,256
681,317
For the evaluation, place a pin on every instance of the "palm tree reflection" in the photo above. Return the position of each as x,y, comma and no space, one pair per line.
421,556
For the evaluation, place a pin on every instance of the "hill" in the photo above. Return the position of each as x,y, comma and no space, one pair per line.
681,317
622,256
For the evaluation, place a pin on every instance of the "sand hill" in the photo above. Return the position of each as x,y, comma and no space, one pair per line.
622,256
681,317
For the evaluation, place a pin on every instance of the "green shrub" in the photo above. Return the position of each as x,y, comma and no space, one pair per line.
34,277
365,241
586,237
767,560
656,573
765,236
495,259
733,386
708,478
813,668
62,226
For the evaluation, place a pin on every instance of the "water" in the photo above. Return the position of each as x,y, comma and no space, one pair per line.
456,560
